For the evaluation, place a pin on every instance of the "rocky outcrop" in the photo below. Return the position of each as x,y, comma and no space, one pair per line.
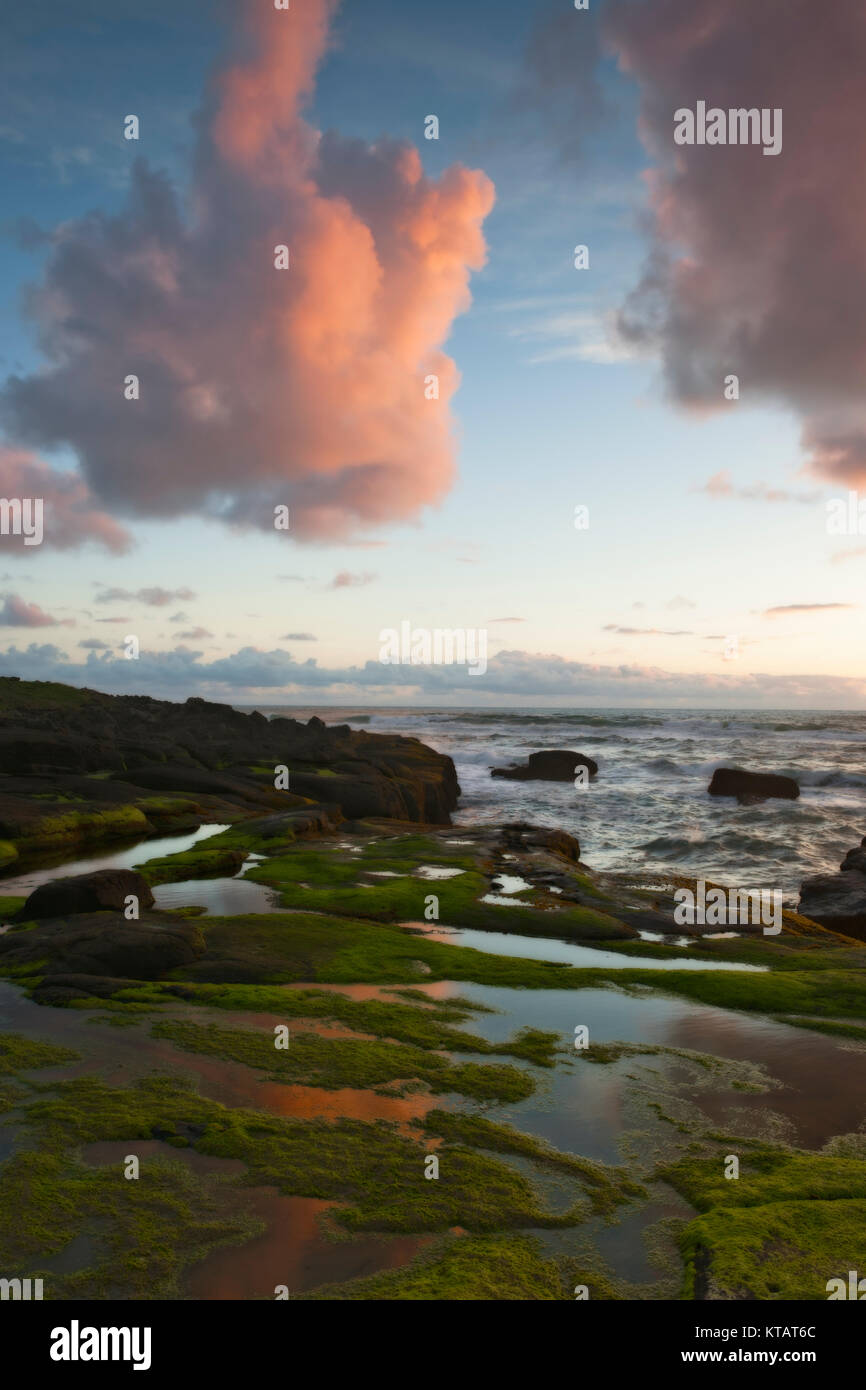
79,767
838,901
106,889
752,786
521,837
551,765
855,858
104,944
290,825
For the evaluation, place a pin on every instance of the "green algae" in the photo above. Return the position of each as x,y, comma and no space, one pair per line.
428,1027
315,882
198,862
75,827
788,1250
767,1174
606,1187
374,1174
22,1054
130,1226
790,1222
335,1063
831,1027
468,1268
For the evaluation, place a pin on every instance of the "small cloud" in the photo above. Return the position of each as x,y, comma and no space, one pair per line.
16,613
292,578
94,644
506,620
804,608
847,554
346,580
720,485
299,637
154,597
644,631
195,634
679,602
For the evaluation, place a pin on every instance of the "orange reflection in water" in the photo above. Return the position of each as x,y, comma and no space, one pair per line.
294,1252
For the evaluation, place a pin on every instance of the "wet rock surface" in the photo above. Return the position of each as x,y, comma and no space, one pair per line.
106,889
838,901
752,786
102,945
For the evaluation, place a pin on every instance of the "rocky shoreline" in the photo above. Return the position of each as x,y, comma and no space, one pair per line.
79,768
383,951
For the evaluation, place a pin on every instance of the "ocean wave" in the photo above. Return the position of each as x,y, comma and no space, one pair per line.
574,720
666,765
827,778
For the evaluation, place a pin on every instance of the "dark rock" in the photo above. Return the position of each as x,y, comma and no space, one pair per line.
102,944
752,786
175,778
855,858
198,749
521,836
106,888
311,820
551,765
836,901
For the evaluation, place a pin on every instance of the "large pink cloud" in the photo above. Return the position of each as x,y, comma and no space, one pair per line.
759,263
259,386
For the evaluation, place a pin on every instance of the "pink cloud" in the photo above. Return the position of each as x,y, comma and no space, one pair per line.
758,265
346,580
262,387
71,516
16,613
720,485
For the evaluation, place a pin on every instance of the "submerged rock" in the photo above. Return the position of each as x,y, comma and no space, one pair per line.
96,892
752,786
551,765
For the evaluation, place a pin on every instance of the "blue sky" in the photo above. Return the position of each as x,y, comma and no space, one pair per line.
555,408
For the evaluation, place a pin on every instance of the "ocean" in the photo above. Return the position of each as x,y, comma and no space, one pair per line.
648,809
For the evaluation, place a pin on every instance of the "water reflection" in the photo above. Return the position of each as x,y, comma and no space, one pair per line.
567,952
139,852
220,897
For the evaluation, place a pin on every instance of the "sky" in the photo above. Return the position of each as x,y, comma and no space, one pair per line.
457,422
